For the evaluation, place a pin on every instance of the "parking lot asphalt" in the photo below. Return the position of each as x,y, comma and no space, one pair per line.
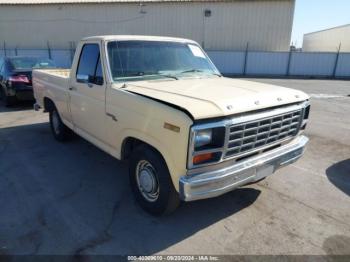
73,198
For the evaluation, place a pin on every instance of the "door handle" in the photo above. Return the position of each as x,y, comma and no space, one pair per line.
90,85
112,116
71,88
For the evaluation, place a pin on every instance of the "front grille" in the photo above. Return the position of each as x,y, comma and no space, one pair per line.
251,136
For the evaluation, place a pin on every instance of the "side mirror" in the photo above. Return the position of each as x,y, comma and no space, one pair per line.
83,78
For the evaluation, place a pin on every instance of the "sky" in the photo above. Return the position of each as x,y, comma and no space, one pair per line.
315,15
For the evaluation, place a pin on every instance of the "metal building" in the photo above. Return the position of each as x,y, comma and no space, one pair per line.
329,40
264,25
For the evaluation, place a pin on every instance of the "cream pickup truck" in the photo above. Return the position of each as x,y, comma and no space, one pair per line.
188,132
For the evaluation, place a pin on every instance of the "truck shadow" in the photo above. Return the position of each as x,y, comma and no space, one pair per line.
339,175
74,199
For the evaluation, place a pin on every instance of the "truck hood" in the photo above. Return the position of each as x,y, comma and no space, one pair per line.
216,97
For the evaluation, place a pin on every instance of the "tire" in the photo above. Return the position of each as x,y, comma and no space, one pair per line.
59,130
9,100
156,196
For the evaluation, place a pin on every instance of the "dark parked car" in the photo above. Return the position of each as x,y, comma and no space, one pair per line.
16,77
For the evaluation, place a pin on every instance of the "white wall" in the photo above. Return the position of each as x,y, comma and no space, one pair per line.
328,40
265,24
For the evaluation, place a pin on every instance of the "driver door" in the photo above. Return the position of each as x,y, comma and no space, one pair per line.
87,94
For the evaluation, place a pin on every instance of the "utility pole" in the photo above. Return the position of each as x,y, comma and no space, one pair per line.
49,50
289,62
4,48
336,61
246,59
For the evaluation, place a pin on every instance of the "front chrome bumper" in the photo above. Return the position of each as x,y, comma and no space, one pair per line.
215,182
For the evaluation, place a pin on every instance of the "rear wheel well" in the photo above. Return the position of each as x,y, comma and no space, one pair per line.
49,105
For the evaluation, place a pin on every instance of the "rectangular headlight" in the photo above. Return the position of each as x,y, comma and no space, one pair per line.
202,138
206,147
209,138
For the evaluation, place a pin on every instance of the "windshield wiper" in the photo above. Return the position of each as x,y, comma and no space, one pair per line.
146,74
192,71
199,71
169,76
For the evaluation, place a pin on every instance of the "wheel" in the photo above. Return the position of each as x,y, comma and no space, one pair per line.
9,100
59,130
151,182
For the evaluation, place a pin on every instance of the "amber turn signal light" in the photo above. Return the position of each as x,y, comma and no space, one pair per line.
202,158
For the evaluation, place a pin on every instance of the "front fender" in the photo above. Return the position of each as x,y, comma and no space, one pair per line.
175,172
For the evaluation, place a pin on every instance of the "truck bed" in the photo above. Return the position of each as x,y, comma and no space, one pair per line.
51,83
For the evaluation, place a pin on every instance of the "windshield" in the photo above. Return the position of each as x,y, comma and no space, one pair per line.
31,62
137,60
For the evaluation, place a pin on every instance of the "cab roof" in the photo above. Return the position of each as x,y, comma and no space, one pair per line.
137,37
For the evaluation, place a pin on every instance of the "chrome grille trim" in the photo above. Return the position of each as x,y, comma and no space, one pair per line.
247,118
248,136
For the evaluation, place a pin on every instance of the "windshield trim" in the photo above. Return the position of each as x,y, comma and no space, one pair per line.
152,76
142,78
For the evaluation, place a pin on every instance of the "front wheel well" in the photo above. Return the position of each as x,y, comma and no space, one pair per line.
49,105
130,144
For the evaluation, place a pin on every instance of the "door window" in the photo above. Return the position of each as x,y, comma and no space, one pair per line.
89,67
98,73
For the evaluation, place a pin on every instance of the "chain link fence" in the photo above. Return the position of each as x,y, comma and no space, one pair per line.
237,63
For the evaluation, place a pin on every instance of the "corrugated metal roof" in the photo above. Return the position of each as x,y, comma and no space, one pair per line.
38,2
328,29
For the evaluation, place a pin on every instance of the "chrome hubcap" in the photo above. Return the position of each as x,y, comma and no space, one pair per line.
147,181
55,122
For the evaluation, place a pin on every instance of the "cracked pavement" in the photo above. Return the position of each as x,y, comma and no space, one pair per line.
73,198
